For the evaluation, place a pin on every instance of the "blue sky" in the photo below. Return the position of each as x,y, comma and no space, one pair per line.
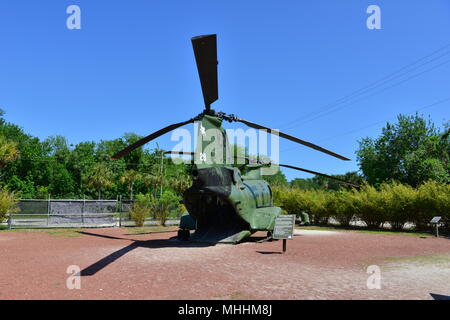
131,68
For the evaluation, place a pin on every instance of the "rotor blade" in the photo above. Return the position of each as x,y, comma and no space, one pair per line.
300,169
317,173
286,136
180,152
193,153
205,51
275,164
148,138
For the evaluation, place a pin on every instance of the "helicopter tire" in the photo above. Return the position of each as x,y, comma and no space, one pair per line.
180,235
183,235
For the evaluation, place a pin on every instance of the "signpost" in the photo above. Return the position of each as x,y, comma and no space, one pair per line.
284,228
436,221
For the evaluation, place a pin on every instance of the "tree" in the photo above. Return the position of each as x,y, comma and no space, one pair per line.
130,177
81,161
58,148
149,180
100,177
32,168
278,179
305,184
429,162
159,178
8,151
410,151
319,182
180,183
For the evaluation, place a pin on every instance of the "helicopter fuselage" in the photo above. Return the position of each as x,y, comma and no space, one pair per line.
223,204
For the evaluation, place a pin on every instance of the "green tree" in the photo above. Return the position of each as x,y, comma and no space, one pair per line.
58,148
150,180
180,183
82,159
278,179
8,151
100,177
130,177
304,184
319,182
410,151
429,162
32,168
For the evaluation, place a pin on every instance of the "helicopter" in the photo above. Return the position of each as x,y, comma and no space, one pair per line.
225,203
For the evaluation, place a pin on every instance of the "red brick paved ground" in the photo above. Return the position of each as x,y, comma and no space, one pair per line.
119,265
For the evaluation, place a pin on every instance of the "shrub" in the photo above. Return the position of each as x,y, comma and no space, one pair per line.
401,201
279,195
393,202
295,201
433,199
317,205
370,206
314,202
163,205
342,206
141,209
8,203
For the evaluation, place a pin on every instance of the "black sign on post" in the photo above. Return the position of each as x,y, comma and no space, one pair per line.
284,228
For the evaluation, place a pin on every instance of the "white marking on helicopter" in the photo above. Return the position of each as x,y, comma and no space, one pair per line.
203,157
202,130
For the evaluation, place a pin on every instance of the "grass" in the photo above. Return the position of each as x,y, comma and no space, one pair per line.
64,233
73,232
147,229
400,263
236,295
423,260
364,230
54,232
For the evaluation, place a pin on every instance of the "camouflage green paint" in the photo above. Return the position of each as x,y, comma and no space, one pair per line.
223,205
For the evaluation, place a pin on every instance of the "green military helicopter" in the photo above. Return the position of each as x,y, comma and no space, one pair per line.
225,203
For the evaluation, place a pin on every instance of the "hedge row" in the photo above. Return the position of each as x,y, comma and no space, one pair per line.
8,203
394,203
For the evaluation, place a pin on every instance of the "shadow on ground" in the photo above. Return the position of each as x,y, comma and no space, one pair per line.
439,296
151,244
269,252
173,242
150,232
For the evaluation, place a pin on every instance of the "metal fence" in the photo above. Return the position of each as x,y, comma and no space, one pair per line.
74,213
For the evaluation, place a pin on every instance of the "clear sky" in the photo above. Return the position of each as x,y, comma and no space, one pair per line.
284,64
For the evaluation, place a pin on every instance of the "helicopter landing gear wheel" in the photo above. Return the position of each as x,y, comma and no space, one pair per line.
183,235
